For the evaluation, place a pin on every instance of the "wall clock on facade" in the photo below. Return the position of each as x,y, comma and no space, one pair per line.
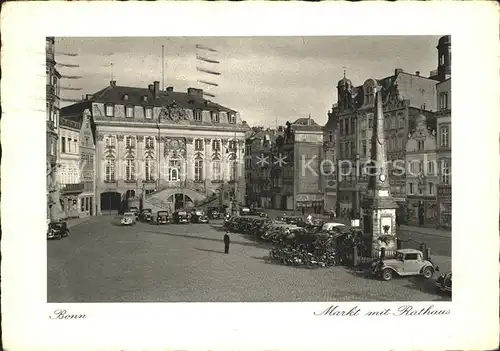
382,178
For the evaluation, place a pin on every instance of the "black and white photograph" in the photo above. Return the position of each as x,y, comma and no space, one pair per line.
257,169
214,176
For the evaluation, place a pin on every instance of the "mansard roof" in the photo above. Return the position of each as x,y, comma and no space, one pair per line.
115,94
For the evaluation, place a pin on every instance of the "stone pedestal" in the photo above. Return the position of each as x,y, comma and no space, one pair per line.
378,217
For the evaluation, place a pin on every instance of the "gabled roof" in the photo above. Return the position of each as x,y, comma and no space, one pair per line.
305,121
417,89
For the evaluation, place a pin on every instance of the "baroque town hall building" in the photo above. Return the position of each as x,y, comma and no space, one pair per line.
171,149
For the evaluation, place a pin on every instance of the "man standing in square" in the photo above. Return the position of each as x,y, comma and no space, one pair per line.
227,241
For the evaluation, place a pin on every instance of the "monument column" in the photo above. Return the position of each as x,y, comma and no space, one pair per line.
379,208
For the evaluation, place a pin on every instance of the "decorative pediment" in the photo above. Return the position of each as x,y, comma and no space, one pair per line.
216,156
198,155
100,136
119,137
140,138
109,154
174,114
175,147
207,141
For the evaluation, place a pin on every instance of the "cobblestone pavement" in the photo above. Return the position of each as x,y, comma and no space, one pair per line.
103,262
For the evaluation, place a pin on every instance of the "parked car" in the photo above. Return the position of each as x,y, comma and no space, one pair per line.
329,226
244,211
199,217
407,262
128,218
443,283
57,230
162,217
135,211
180,217
146,215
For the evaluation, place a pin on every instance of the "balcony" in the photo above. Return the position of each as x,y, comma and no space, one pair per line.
72,188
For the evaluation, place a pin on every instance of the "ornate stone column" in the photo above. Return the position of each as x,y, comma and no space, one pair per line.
120,164
98,171
224,163
140,169
379,208
189,160
207,163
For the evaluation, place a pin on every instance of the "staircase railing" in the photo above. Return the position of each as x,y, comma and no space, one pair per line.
158,203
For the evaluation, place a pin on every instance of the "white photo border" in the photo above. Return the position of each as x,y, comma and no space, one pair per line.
473,321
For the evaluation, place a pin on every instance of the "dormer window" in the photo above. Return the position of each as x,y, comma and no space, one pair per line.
110,110
215,117
129,111
125,97
144,98
232,118
197,115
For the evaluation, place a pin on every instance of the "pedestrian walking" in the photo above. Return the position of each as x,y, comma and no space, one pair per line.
227,241
303,211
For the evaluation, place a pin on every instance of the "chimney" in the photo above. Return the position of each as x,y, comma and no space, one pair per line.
156,89
88,96
417,73
309,120
195,92
170,88
398,71
112,83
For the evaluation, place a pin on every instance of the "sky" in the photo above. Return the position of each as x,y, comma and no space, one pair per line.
268,80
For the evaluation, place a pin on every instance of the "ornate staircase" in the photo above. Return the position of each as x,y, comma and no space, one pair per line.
157,200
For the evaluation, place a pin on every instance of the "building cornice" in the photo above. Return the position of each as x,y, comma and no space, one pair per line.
172,126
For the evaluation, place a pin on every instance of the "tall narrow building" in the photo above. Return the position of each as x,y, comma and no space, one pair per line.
52,108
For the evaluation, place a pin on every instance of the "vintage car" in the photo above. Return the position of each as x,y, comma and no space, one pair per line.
135,211
443,283
199,217
291,219
331,226
180,217
244,211
146,215
128,218
407,262
57,230
162,217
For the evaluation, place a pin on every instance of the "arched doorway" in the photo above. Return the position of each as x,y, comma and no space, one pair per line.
181,201
110,201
